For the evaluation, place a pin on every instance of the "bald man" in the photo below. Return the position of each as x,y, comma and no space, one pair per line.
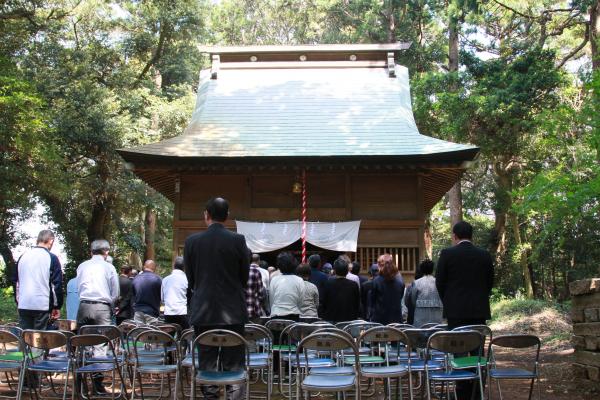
146,294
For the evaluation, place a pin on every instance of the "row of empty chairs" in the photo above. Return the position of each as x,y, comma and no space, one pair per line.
297,358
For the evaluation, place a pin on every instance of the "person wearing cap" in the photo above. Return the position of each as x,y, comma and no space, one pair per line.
365,292
327,269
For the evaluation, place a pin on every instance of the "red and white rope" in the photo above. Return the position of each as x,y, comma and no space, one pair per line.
303,216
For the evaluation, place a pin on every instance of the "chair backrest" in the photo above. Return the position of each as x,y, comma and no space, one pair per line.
418,337
441,326
328,342
172,329
12,329
7,337
255,333
356,329
220,338
343,324
428,325
278,325
44,340
157,339
516,342
89,340
111,331
456,342
400,326
310,320
335,330
66,324
299,331
384,334
483,329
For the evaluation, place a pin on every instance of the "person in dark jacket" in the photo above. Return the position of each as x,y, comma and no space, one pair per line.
217,265
317,277
365,293
341,297
146,294
387,292
125,306
464,280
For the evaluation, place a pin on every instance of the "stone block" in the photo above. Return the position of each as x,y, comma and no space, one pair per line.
579,371
588,358
587,301
591,342
593,373
584,286
587,329
577,315
578,342
591,314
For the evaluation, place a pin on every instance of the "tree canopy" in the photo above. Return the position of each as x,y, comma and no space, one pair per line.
520,79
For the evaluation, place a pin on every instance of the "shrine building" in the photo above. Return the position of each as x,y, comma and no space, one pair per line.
337,118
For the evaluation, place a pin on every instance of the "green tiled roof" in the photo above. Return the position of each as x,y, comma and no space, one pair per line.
302,112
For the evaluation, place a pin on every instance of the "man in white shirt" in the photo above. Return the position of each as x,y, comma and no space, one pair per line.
98,285
38,284
174,295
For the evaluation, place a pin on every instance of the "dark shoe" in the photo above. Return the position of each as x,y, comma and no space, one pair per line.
98,386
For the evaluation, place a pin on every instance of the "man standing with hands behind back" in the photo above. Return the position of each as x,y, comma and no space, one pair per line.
464,279
217,265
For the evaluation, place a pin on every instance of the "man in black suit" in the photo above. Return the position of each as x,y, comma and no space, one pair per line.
217,264
464,279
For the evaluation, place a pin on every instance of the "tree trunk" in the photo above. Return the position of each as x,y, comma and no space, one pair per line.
595,34
523,261
149,233
455,203
428,239
501,207
9,260
455,193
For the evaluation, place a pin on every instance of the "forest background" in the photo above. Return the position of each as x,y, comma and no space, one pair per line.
520,79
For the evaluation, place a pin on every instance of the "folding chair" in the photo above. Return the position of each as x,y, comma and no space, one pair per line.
451,343
220,338
260,342
515,342
86,364
185,345
324,382
11,361
429,325
164,343
295,333
68,325
382,338
44,341
471,361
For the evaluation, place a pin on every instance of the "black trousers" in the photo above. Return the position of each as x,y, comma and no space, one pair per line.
181,320
466,389
228,358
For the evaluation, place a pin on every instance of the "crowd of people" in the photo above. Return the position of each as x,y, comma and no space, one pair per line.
219,284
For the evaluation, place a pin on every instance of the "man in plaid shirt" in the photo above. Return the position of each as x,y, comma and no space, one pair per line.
255,294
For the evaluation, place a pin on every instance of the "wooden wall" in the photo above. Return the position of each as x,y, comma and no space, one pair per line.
389,205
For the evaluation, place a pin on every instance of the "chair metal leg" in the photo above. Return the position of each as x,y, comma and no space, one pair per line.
499,390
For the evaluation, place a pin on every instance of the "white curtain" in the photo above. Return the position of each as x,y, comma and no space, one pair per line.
268,236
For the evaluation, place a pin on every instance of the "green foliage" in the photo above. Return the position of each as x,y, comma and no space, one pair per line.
506,308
